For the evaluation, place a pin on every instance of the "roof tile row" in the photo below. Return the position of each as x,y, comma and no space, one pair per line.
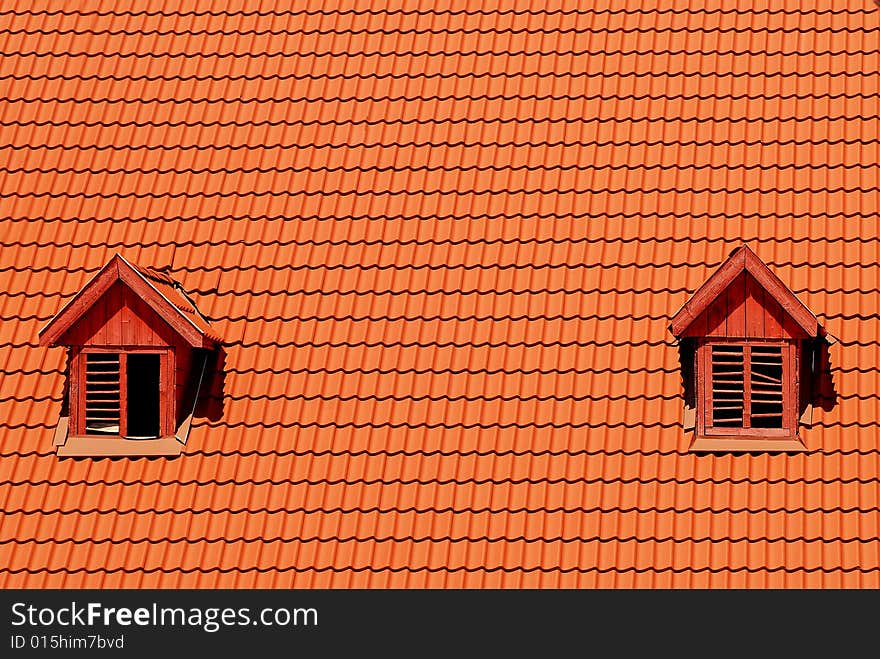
442,244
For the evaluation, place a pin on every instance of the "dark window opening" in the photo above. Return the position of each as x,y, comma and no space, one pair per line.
142,409
728,371
766,386
102,393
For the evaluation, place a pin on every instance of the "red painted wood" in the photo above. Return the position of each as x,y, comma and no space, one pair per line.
708,292
704,406
747,387
773,319
94,322
136,320
697,329
78,305
716,316
123,395
76,377
704,395
736,309
790,328
789,302
91,325
81,370
167,404
803,322
754,304
745,311
120,312
146,330
117,312
99,321
125,318
700,326
183,360
790,391
169,313
112,302
99,318
790,403
57,332
103,325
167,394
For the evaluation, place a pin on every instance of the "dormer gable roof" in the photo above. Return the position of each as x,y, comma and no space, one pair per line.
741,260
155,288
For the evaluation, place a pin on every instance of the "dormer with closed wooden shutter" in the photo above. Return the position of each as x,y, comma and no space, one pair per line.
751,357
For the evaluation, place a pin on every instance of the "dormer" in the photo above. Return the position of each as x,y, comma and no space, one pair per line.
137,349
752,358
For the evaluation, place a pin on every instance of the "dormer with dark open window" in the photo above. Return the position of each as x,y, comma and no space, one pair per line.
749,358
137,349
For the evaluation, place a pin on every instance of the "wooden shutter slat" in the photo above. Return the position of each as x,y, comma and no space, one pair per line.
102,393
767,378
727,381
767,400
746,386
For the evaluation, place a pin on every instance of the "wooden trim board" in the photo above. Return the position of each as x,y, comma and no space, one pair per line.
92,447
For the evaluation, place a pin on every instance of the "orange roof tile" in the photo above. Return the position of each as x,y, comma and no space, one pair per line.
442,244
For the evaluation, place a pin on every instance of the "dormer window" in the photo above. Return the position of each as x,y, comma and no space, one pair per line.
137,350
123,393
749,388
752,344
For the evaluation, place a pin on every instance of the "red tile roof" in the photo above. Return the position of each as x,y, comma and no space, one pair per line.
442,244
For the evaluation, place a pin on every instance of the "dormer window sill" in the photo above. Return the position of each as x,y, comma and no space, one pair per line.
85,446
737,445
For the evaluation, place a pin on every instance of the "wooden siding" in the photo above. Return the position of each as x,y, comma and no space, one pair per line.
120,318
744,310
182,379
